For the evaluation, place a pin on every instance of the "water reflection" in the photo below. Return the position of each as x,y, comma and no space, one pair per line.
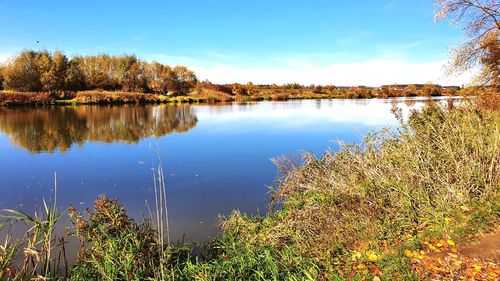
58,128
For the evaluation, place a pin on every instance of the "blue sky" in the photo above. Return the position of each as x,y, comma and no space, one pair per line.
264,41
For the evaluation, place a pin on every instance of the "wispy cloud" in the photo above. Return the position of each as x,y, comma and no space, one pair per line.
353,37
412,44
170,59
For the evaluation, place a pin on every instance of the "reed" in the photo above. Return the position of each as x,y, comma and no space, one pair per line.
161,207
39,242
8,250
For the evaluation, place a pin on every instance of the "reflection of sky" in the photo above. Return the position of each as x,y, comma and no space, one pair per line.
299,116
221,164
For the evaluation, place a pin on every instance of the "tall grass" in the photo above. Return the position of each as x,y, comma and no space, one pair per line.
8,250
161,208
39,241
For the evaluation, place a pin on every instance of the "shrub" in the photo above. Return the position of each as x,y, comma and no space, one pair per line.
113,246
209,95
101,97
25,98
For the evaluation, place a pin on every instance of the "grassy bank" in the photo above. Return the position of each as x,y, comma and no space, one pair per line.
356,212
401,206
202,94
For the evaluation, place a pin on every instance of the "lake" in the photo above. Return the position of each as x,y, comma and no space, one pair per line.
216,157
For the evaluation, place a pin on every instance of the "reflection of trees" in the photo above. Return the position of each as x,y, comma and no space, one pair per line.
48,129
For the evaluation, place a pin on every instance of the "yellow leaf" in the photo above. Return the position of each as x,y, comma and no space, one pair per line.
450,242
452,255
372,257
356,255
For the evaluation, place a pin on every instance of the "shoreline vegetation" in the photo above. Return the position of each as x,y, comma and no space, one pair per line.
11,98
51,78
400,206
419,203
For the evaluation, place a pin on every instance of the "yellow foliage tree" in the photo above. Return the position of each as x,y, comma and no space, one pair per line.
482,30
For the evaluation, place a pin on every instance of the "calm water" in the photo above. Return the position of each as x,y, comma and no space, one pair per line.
216,157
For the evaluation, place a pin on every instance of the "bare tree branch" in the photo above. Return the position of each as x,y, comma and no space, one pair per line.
482,30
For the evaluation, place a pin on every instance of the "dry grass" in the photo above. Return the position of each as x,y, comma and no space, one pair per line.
100,97
210,95
23,98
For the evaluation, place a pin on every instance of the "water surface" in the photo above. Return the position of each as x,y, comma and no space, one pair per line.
216,157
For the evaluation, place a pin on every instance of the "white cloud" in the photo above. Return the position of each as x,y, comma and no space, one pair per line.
374,72
4,57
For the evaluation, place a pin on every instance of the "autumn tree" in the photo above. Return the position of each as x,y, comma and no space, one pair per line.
135,78
250,88
185,79
121,66
431,90
490,60
98,72
44,65
75,78
52,70
161,78
22,73
59,68
482,30
1,77
410,90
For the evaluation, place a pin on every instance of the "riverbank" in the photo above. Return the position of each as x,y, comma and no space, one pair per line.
42,77
13,98
398,207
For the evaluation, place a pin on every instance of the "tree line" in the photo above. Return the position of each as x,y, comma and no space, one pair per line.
37,71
